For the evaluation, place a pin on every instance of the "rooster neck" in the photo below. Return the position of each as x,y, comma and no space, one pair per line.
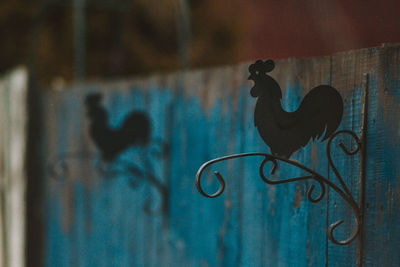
269,110
269,103
264,109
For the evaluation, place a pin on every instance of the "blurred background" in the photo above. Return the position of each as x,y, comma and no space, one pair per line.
49,44
63,40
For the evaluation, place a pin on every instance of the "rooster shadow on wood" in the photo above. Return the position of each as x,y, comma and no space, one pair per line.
134,131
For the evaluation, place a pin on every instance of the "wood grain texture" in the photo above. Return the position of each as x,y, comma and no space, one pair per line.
382,214
100,219
348,76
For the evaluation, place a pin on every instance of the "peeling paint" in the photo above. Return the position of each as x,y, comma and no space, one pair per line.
297,199
252,223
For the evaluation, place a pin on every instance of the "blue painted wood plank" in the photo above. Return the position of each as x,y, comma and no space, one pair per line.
119,105
382,203
318,72
231,231
253,195
158,107
348,75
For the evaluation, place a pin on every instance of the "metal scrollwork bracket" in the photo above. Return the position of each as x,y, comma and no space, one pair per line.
322,181
320,112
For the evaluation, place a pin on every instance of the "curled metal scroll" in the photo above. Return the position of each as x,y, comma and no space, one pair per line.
342,190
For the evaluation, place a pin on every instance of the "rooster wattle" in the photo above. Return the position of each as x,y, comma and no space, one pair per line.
285,132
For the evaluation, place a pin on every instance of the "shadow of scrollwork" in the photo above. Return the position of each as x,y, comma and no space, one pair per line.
341,189
60,167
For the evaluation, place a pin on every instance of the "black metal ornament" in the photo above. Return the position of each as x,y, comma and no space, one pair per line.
285,132
319,113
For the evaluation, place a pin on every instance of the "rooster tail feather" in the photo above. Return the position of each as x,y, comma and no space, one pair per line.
321,112
334,115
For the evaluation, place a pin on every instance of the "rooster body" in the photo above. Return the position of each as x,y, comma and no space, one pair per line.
285,132
135,129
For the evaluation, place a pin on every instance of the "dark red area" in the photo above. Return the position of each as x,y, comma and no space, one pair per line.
281,29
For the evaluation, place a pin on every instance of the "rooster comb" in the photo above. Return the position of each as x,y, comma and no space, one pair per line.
262,66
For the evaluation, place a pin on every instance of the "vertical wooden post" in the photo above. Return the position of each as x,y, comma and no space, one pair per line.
13,116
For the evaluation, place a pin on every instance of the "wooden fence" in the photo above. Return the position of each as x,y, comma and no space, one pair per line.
154,216
13,120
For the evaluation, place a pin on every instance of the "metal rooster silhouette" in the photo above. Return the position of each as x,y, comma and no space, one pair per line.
285,132
319,114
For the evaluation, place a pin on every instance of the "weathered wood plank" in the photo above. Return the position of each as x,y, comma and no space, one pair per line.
382,205
230,251
349,72
13,135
